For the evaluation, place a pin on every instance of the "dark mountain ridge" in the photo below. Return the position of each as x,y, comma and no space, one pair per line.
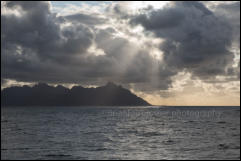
44,95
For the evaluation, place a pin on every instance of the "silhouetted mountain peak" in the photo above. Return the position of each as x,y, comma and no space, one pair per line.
25,86
110,84
44,95
41,85
60,86
76,88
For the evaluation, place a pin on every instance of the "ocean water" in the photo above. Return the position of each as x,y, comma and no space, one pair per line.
120,133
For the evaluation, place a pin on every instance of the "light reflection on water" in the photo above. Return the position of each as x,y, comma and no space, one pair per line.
120,133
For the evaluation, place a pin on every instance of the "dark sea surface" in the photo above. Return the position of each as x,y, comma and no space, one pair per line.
120,133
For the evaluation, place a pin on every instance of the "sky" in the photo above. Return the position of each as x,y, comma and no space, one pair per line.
167,52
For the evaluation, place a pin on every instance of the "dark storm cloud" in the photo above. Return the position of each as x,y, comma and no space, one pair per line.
39,46
35,47
38,30
231,7
194,37
232,12
117,10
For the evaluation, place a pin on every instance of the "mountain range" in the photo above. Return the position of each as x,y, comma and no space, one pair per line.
42,94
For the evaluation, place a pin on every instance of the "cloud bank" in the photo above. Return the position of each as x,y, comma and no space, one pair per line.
144,50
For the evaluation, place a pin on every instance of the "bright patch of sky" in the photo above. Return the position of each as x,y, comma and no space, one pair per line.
78,3
133,5
73,7
62,4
